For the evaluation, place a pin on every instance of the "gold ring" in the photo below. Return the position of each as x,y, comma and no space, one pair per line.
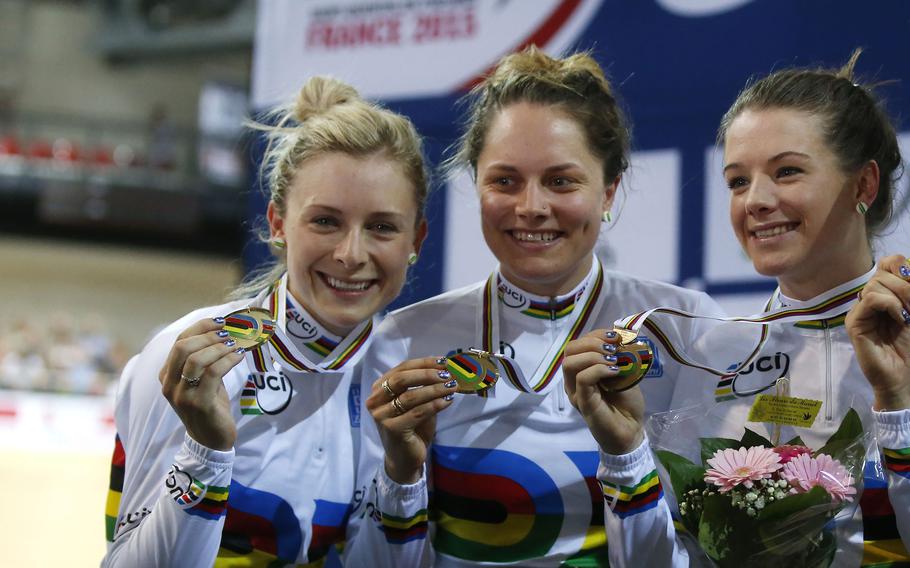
385,386
191,381
399,408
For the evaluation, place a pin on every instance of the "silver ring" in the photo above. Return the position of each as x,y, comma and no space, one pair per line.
399,408
191,381
385,386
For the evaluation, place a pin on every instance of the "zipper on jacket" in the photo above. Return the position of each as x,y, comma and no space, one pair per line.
829,413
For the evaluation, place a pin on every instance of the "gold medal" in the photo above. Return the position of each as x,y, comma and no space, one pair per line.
474,370
634,359
250,327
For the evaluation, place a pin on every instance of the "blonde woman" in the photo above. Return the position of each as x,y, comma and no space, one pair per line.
247,458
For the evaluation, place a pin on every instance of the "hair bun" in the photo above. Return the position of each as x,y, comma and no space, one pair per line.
320,94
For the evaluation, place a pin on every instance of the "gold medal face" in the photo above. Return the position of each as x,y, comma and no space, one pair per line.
474,370
249,327
634,360
625,335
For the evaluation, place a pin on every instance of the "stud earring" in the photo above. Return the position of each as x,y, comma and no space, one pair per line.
607,217
278,243
861,208
412,259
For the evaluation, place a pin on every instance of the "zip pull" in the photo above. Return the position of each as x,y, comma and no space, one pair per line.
561,398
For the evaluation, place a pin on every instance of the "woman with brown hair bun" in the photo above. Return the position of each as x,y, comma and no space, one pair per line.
511,465
248,458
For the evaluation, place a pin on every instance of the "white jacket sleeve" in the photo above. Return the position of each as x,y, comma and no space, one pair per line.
388,525
174,490
637,517
894,441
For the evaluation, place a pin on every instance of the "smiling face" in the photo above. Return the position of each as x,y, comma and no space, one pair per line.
542,197
349,225
792,207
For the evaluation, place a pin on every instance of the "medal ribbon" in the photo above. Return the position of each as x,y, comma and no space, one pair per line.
591,301
348,351
830,304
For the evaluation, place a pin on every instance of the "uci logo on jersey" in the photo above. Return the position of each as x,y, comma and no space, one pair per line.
266,393
779,363
511,298
299,327
758,376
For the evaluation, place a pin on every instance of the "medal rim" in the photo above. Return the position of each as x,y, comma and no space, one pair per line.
486,361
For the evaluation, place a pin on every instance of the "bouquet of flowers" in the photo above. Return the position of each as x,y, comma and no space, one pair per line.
754,503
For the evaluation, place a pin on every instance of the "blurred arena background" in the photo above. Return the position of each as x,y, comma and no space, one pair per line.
127,185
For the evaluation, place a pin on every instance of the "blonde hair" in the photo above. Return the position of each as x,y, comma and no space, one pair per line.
330,116
576,84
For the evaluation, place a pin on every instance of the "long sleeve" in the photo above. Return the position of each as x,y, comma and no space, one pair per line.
181,523
388,526
174,490
638,522
894,442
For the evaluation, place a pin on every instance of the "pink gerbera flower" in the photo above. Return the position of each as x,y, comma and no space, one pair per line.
805,472
730,467
787,453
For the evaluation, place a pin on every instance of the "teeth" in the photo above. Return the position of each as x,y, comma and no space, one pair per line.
778,230
347,286
534,237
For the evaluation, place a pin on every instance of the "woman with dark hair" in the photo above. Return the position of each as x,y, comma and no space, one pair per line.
512,466
811,160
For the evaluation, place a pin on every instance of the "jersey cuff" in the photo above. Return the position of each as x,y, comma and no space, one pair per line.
622,468
893,428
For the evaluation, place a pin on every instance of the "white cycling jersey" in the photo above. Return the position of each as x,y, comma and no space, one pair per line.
282,495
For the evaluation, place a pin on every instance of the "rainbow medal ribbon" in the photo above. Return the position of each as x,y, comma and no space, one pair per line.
833,303
590,301
279,350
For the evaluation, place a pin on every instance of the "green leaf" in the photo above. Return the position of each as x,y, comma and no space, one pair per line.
791,504
684,475
726,533
796,441
710,446
751,439
794,523
845,445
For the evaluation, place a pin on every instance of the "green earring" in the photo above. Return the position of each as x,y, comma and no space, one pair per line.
412,258
862,208
278,243
607,217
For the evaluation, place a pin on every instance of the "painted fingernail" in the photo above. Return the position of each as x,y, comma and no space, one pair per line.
230,342
451,384
613,368
221,333
906,315
240,351
443,374
609,348
610,358
905,271
611,334
449,396
441,361
218,319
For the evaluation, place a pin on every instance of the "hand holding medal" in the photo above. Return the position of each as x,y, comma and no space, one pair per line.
404,403
599,371
191,382
879,328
